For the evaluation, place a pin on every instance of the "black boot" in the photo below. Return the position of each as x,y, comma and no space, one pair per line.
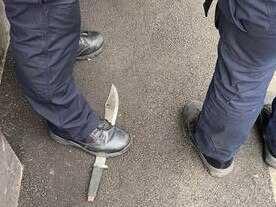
90,45
105,141
262,121
190,115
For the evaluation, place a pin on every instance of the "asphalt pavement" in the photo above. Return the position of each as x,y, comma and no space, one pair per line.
159,54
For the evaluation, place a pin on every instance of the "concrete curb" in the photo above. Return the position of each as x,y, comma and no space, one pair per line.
10,175
11,169
4,38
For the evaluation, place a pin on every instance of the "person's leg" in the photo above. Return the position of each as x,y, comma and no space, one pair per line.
245,65
45,37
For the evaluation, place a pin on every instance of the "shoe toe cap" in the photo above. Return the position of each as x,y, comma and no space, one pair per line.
120,140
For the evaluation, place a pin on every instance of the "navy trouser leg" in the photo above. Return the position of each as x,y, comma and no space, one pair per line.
245,66
45,37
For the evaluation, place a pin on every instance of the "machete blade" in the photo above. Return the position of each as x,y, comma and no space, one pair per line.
112,106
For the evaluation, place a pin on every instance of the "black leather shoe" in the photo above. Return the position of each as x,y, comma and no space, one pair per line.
262,121
190,115
105,141
90,45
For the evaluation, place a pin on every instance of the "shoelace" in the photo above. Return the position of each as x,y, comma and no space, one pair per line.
193,124
98,135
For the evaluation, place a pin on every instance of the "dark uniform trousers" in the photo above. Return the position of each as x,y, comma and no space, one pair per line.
44,38
245,65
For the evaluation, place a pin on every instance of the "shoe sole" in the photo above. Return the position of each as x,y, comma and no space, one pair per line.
210,169
92,55
98,154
